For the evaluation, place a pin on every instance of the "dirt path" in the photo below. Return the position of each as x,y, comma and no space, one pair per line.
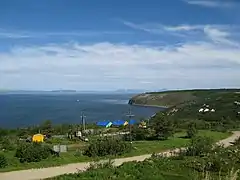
36,174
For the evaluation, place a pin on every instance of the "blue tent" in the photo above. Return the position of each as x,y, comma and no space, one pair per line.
118,123
132,121
104,123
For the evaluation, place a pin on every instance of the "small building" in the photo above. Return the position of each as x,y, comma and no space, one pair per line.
78,134
201,110
60,148
38,138
143,124
212,110
120,123
206,110
132,122
105,124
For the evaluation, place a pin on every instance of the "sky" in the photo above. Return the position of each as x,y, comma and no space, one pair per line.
109,45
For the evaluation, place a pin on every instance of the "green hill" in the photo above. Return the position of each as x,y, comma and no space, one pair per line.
217,107
173,98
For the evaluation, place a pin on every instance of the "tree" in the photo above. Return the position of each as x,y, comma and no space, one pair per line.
46,127
7,144
33,152
163,126
3,161
138,134
199,146
191,131
3,132
107,146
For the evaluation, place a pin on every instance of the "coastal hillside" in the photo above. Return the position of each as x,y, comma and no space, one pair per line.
219,107
174,98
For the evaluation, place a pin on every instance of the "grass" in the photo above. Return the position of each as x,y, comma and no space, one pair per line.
140,148
154,168
149,147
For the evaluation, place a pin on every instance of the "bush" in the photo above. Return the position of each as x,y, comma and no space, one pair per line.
199,146
163,126
219,159
7,144
237,142
107,146
137,134
33,152
3,161
191,131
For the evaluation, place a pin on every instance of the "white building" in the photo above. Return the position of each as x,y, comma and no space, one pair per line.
206,110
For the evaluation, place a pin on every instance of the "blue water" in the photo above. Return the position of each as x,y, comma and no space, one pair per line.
20,110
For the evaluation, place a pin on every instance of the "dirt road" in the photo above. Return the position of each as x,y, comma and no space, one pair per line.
36,174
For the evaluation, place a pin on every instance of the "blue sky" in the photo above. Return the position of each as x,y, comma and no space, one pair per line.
88,45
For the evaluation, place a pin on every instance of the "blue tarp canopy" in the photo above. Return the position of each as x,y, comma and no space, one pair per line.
118,123
132,121
103,123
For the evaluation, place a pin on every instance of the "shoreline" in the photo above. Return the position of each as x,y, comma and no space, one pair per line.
146,105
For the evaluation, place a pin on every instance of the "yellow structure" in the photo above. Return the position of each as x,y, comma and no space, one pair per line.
38,138
125,123
143,124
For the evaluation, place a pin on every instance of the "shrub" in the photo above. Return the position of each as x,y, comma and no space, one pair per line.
3,161
199,146
7,144
191,131
33,152
163,126
237,142
219,159
138,134
107,146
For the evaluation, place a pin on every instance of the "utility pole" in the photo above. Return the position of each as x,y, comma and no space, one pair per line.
130,115
83,122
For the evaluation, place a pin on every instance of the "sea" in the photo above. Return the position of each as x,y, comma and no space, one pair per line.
22,110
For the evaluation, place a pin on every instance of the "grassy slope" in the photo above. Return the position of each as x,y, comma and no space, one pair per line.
173,98
188,103
141,147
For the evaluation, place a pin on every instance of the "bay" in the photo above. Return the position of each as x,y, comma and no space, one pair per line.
21,110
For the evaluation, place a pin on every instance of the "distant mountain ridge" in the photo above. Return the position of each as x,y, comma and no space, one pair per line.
118,91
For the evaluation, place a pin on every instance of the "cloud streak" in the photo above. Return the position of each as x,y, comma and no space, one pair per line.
214,33
6,34
211,3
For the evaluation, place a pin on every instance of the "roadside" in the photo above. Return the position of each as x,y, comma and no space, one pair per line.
34,174
75,151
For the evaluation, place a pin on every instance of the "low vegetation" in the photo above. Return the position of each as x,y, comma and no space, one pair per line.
82,152
207,162
3,161
107,146
33,152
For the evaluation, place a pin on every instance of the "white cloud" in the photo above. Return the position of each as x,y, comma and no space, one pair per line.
17,34
211,3
215,33
151,28
113,66
219,36
184,27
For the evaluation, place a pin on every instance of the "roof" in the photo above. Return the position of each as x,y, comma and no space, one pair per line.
103,123
132,121
118,122
38,134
